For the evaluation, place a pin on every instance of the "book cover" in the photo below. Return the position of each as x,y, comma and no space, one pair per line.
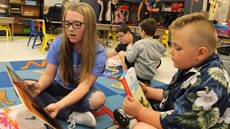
118,85
133,88
30,100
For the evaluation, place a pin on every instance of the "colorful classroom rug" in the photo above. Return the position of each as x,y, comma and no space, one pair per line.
32,69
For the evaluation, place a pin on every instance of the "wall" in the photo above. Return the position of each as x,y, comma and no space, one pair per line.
222,11
51,2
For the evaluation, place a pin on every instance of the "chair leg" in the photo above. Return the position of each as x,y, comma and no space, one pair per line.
43,46
10,32
43,41
35,39
7,35
41,37
29,40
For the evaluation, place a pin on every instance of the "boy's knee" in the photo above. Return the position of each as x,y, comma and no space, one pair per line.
97,100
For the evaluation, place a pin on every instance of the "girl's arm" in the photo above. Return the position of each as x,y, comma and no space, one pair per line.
78,93
47,77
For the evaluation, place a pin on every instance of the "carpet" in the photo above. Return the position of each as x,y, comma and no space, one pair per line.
32,69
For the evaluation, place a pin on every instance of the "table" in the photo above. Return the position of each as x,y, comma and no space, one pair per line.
8,20
134,29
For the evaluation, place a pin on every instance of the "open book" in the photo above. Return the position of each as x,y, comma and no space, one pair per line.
30,100
133,88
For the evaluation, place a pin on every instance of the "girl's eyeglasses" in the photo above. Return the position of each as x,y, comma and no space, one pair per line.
75,25
120,36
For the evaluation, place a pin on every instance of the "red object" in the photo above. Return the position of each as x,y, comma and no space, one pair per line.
228,24
177,6
126,87
124,8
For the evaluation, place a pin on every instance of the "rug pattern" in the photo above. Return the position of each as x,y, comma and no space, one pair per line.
32,69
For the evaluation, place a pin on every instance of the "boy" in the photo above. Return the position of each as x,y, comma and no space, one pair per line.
145,54
198,95
126,37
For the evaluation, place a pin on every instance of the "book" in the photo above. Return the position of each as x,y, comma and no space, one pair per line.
133,88
118,85
30,100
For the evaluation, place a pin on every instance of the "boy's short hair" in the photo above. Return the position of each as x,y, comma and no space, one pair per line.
203,33
123,28
149,26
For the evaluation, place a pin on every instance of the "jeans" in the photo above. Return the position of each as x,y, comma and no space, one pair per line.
55,92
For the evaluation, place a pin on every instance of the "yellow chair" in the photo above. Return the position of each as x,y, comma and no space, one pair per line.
6,27
165,39
46,38
114,36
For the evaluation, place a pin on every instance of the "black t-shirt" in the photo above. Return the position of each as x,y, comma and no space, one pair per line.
156,15
122,47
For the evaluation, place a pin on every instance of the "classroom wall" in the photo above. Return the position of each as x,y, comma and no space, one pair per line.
51,2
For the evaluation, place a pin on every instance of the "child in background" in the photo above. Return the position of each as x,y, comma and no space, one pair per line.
126,36
66,3
198,95
118,16
145,54
75,60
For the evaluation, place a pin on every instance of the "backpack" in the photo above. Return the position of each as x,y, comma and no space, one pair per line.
55,12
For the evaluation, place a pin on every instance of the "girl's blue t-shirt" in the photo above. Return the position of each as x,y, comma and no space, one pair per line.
52,57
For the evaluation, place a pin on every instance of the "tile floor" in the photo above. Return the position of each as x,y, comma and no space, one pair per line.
17,50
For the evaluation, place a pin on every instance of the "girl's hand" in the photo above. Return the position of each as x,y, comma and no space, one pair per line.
34,85
52,109
132,106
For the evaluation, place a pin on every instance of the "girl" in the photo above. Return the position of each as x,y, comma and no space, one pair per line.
75,60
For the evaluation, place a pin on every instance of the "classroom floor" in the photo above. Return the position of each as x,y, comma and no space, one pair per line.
17,50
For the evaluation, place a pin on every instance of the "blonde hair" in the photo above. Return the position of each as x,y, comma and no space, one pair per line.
89,45
203,33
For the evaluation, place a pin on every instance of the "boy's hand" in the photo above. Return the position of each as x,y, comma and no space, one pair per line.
132,106
144,87
121,54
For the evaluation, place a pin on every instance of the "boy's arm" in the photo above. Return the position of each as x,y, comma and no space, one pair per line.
134,108
132,52
111,53
154,93
122,57
150,116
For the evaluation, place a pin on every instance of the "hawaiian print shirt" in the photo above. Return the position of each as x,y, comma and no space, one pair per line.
198,98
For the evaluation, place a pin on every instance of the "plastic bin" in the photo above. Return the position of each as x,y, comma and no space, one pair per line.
26,30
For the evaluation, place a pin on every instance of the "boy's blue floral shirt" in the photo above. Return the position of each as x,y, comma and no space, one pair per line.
198,98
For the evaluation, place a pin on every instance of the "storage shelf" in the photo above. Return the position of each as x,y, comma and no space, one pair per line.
24,9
